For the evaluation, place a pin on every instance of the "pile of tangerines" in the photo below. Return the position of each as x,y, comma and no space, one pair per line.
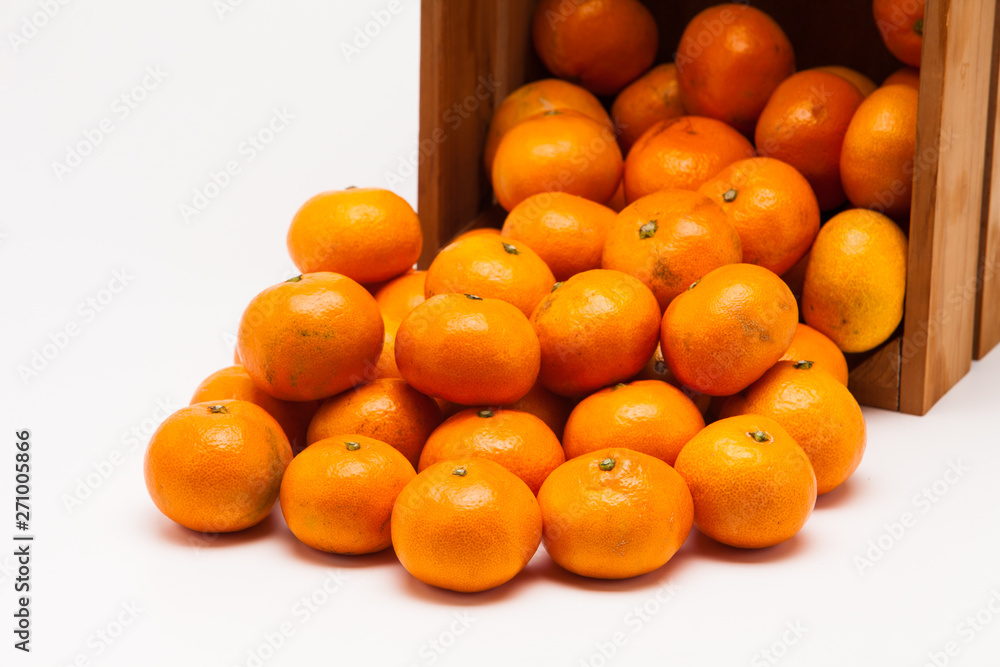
552,380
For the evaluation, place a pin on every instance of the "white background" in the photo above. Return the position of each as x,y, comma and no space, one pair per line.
216,601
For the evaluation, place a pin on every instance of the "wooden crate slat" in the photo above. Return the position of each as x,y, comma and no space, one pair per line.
875,380
471,55
944,227
988,305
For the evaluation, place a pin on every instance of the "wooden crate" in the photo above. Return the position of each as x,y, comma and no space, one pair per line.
987,333
474,53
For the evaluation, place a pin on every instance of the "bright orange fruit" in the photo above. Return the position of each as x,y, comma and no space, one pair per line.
466,525
771,207
519,441
386,367
401,295
647,416
728,329
491,267
310,337
388,410
216,467
603,45
550,408
234,383
597,328
730,59
566,231
804,124
556,151
681,153
855,283
810,345
614,513
536,97
901,24
670,239
468,350
653,97
876,161
337,496
816,410
752,485
366,234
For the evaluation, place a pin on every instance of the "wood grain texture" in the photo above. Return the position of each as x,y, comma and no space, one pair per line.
471,55
947,200
987,333
874,377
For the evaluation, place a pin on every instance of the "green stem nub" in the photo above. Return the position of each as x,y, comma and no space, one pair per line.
759,436
511,249
606,464
918,27
485,414
803,364
218,409
473,297
618,386
294,280
459,471
556,286
353,446
729,195
694,284
647,230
